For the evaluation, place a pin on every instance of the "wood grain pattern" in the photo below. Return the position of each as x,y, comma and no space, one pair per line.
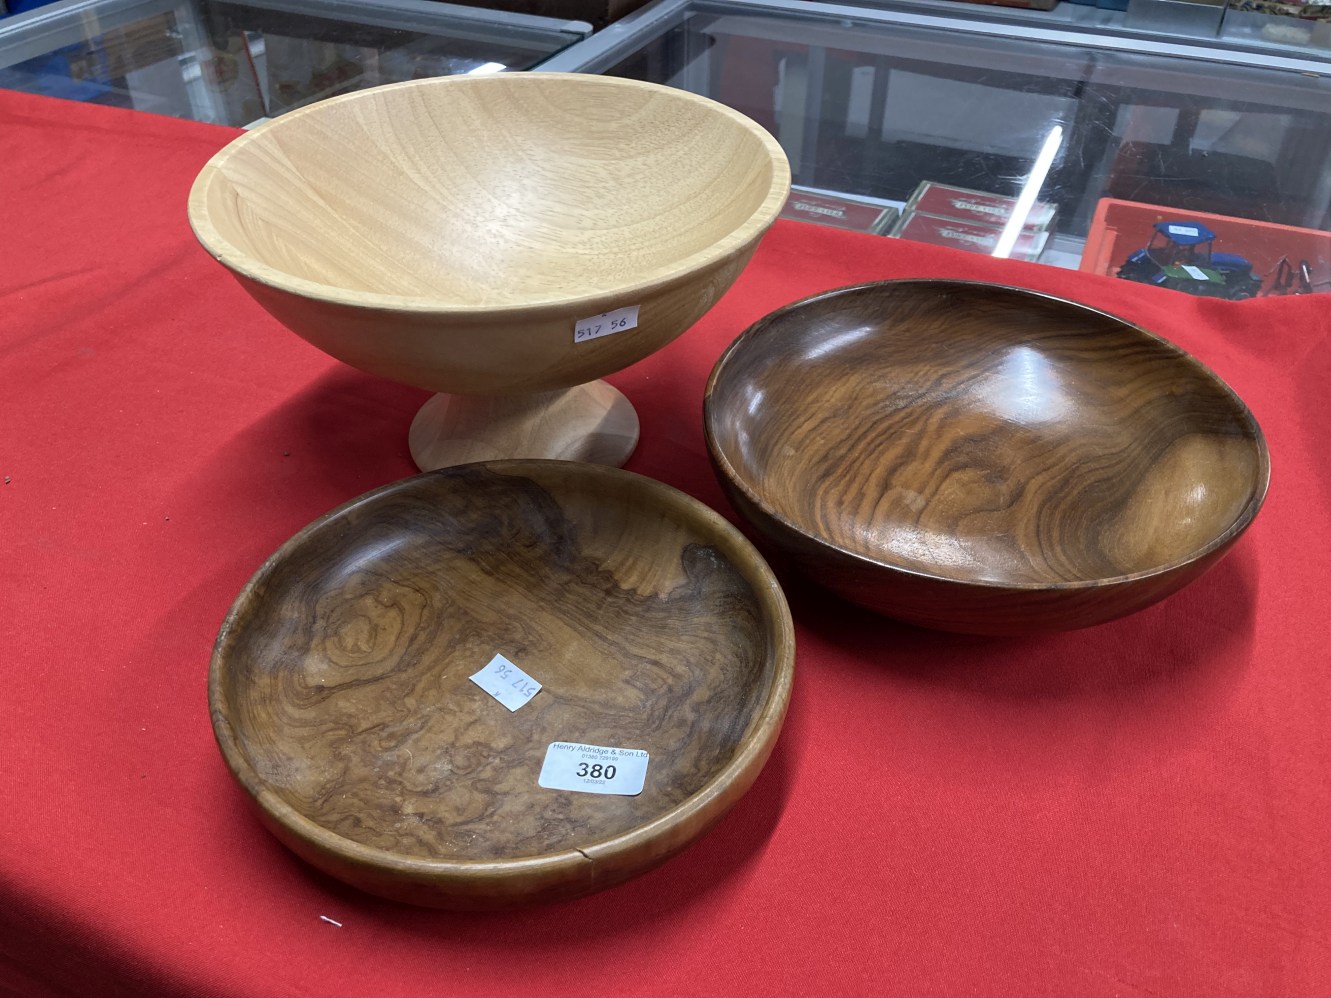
447,233
341,696
981,458
592,422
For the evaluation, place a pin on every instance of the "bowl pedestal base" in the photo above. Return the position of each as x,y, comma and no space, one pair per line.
593,423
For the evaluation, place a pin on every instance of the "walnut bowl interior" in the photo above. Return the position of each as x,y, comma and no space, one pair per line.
979,458
342,701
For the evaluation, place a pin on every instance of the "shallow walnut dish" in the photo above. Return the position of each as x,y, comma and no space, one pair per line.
978,458
341,697
503,240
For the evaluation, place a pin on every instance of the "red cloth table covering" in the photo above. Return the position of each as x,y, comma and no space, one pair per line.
1136,809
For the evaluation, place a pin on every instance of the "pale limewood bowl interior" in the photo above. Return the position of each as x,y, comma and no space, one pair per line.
981,458
341,700
448,232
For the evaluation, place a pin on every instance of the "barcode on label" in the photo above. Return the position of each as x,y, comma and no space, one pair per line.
605,324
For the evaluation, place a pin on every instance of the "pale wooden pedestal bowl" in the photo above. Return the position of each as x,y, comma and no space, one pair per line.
464,234
341,697
979,458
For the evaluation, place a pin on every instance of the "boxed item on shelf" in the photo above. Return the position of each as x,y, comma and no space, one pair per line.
598,13
1205,254
1313,10
1028,4
970,236
841,211
944,201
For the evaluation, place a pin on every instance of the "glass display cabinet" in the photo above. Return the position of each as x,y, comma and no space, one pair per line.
1194,153
237,61
1110,135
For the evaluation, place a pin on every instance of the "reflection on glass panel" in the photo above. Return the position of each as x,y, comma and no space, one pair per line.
1230,140
872,113
919,118
104,65
232,63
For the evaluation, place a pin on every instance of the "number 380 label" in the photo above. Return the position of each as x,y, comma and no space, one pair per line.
594,769
605,324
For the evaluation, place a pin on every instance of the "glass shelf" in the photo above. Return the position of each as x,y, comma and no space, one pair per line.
237,61
875,102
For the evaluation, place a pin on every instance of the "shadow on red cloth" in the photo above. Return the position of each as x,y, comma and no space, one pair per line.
1218,608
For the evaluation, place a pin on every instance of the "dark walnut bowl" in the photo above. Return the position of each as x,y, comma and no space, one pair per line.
341,697
978,458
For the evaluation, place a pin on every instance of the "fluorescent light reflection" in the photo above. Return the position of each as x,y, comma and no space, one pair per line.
1030,190
1028,390
839,341
913,544
487,67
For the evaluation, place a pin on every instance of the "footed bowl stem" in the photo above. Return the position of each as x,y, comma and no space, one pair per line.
592,422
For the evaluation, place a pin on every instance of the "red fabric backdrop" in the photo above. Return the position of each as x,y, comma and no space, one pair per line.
1141,808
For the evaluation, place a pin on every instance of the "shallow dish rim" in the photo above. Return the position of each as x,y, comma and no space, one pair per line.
734,480
749,757
226,253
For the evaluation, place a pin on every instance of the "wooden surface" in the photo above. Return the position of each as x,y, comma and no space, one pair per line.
980,458
592,422
448,233
341,696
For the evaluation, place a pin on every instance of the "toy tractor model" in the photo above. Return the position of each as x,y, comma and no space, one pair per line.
1181,256
1291,280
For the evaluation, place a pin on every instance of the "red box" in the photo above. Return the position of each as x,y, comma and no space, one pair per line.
967,236
976,206
1244,258
839,211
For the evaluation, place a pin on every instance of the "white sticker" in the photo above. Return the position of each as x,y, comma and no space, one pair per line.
506,682
605,324
1195,273
1182,230
594,769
